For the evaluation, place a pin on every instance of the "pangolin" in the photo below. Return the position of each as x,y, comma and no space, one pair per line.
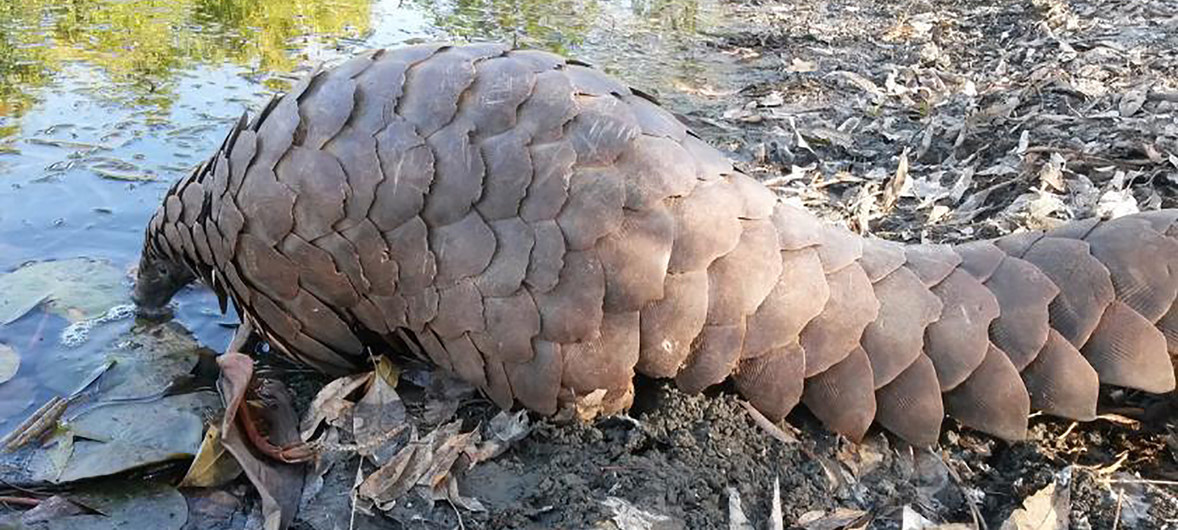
545,233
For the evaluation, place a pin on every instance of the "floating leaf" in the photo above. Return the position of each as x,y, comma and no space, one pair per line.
9,362
121,437
77,289
126,504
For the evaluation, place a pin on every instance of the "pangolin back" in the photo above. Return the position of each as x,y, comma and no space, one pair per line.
544,232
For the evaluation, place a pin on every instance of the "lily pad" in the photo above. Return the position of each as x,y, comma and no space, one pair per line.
77,289
118,438
126,504
9,362
134,424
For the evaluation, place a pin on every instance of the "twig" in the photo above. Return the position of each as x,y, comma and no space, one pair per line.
20,501
1117,514
1152,482
769,426
34,426
978,522
1067,431
355,490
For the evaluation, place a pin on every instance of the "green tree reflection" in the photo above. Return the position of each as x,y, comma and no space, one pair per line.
143,43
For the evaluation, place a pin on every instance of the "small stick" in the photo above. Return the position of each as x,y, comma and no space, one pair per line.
35,425
976,514
20,501
1117,514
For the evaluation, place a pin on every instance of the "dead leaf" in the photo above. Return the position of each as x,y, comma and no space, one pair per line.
1051,173
330,403
629,517
897,185
737,520
1047,509
378,413
837,519
388,370
912,520
589,406
279,485
503,431
1132,100
426,463
212,466
394,479
9,362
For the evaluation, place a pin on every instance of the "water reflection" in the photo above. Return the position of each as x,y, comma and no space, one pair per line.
103,103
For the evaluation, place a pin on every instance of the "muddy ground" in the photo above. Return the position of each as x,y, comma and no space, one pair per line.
915,121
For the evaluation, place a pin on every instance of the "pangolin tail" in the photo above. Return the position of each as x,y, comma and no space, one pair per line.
863,330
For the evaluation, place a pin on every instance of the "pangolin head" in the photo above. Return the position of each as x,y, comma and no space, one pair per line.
159,276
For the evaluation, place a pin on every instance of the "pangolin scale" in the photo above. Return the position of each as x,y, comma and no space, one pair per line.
545,233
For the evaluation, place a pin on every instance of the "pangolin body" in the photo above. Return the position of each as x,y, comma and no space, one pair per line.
544,232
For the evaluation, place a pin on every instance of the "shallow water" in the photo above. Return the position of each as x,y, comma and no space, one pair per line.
104,103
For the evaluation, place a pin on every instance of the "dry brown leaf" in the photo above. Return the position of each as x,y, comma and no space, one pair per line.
379,412
1047,509
1132,100
837,519
503,431
394,479
1051,173
213,466
330,403
426,463
897,184
589,406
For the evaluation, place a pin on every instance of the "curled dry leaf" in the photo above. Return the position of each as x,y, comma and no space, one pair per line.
589,406
626,516
330,403
1047,509
504,430
837,519
279,485
427,464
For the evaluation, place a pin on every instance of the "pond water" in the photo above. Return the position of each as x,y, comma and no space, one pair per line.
104,103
